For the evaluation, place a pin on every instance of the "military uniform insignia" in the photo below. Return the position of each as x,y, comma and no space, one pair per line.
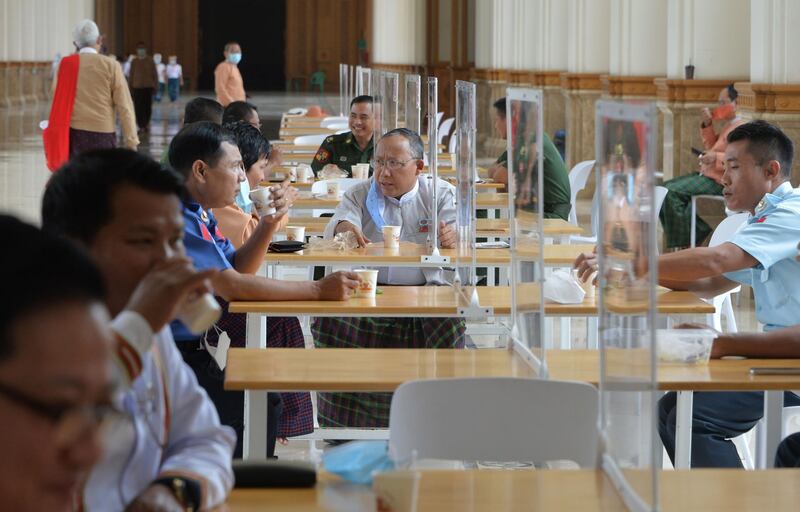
322,155
329,139
342,158
348,140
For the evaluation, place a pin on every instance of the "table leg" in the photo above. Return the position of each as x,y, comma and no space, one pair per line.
255,402
683,430
772,432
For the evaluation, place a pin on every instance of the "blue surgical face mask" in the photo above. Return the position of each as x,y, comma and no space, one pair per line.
243,200
234,58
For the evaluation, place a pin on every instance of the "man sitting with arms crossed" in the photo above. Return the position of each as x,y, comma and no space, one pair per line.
55,385
397,195
209,159
338,153
124,209
758,160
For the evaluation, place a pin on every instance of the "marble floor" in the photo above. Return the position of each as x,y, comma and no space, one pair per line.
23,175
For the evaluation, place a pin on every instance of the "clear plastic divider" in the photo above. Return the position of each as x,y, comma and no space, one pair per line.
524,123
625,147
413,102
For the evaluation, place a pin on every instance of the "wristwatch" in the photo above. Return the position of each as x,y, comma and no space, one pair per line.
186,491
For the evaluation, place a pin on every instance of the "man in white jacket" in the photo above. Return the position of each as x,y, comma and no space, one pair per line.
172,453
396,195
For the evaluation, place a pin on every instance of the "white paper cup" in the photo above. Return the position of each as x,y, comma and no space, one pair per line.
200,313
333,188
292,174
261,198
360,172
368,284
391,236
304,175
297,233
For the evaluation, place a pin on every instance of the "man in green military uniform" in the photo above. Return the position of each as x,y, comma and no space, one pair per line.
338,152
557,200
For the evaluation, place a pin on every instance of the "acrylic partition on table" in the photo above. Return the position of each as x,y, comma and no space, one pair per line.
344,89
363,81
524,123
412,102
385,89
465,163
625,148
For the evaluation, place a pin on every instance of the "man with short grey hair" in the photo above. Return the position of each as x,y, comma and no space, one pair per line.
98,92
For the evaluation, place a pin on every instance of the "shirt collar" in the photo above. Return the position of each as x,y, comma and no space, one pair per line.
197,211
775,197
405,198
87,49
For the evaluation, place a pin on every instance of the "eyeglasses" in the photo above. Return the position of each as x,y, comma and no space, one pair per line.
391,164
70,421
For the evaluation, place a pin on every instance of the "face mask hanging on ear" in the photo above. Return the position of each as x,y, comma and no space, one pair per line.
243,200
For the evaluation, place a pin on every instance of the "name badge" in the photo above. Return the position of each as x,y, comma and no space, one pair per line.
423,225
342,158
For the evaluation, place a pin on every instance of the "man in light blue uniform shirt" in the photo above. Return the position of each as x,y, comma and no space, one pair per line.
762,255
758,162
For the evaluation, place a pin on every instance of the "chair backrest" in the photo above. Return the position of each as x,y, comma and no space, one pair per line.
451,144
444,129
321,187
310,140
439,116
578,177
333,120
495,418
727,228
318,78
661,194
338,126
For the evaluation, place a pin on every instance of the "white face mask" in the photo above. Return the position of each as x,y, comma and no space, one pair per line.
157,58
173,61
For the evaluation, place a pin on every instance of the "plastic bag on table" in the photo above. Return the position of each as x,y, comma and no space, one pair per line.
561,287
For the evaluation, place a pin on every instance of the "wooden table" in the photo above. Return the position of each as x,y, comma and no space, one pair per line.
710,490
353,369
306,201
485,228
479,187
409,254
441,301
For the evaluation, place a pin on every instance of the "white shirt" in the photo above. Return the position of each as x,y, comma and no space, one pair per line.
174,71
411,212
175,428
160,69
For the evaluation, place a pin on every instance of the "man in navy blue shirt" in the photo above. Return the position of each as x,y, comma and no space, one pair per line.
208,158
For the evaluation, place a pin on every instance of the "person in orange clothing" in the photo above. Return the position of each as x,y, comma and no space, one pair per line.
676,212
228,83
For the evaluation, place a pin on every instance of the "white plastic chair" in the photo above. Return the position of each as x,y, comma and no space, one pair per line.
578,176
451,144
310,140
444,129
338,126
722,303
495,418
333,120
693,222
439,116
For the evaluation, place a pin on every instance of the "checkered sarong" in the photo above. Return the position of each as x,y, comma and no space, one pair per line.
676,212
297,417
371,410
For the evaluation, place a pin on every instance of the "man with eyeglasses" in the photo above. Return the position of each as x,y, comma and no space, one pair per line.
170,452
55,383
338,153
396,195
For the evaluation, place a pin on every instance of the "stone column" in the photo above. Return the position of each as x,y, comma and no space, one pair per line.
587,60
548,23
773,93
495,53
394,21
713,36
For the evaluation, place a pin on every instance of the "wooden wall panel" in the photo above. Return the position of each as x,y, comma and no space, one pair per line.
320,34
